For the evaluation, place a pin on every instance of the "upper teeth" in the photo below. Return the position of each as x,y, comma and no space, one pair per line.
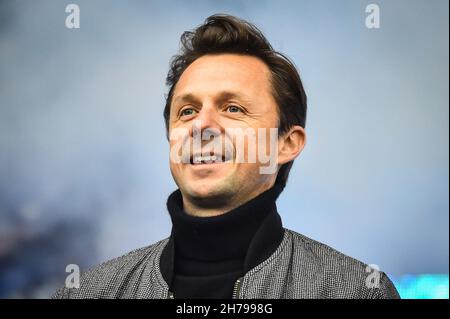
205,158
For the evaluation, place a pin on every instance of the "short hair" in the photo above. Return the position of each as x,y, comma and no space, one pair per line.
222,33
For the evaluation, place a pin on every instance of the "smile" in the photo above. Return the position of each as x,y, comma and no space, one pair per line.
207,159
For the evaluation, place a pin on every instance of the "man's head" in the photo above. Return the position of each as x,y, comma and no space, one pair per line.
228,76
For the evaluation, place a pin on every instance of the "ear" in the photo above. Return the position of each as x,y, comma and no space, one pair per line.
291,144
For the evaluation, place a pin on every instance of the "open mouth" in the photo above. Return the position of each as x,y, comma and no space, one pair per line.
206,159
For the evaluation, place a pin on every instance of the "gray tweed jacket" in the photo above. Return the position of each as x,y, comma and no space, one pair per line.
299,268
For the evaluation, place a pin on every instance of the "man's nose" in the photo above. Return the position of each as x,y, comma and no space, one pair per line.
207,119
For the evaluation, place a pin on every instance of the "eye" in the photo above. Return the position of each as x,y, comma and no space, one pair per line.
234,109
187,112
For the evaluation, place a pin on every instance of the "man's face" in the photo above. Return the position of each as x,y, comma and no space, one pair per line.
219,92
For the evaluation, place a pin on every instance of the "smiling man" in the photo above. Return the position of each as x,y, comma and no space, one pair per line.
235,117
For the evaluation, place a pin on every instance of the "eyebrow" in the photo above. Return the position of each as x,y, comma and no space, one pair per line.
220,97
185,98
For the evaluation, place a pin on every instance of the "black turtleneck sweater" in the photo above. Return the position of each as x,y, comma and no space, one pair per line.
206,255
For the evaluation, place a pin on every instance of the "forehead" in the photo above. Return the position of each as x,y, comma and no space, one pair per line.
225,72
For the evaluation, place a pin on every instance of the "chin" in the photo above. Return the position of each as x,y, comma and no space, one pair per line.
207,189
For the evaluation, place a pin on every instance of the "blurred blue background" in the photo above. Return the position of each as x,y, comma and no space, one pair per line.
84,172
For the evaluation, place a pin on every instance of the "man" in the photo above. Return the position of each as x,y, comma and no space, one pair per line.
229,86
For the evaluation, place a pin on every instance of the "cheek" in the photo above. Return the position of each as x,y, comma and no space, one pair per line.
175,161
249,176
262,145
173,169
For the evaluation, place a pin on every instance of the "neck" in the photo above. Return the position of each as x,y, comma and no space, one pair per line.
237,240
212,237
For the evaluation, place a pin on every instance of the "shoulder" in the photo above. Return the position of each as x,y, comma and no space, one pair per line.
340,275
322,253
117,277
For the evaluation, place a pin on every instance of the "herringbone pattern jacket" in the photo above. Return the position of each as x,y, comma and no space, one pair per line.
299,268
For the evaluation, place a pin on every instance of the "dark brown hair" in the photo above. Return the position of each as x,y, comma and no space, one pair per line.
227,34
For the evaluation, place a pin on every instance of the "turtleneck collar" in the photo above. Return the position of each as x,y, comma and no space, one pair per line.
244,236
